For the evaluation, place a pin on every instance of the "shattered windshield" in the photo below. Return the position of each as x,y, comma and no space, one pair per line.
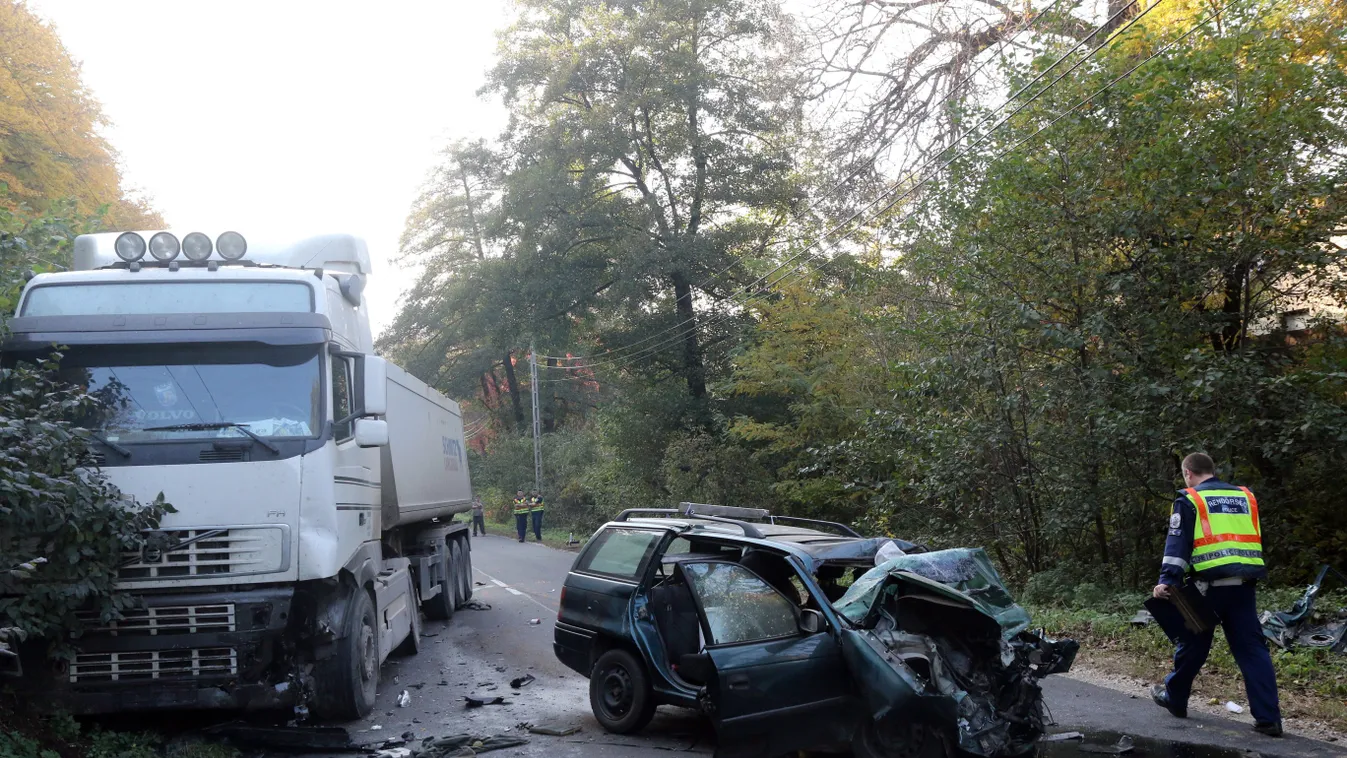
272,391
967,571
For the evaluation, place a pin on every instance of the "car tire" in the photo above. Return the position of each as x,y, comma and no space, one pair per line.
894,737
442,606
620,693
346,682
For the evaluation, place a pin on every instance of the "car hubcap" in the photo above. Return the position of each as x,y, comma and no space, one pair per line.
617,692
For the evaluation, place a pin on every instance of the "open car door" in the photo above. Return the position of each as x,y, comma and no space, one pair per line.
775,678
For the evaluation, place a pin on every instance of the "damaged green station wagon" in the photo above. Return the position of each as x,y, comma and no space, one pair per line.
748,618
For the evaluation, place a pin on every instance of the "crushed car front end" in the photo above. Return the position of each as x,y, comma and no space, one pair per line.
936,639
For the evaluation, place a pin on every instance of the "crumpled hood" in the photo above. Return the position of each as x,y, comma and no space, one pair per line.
962,574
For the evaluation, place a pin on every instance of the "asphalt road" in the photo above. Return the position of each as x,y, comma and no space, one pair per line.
478,652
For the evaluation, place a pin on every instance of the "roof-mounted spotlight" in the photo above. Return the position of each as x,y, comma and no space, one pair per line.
164,247
231,245
196,246
129,246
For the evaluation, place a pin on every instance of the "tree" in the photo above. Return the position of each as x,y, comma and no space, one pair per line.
50,145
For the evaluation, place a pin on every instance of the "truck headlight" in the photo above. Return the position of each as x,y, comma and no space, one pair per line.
164,246
196,246
231,245
129,246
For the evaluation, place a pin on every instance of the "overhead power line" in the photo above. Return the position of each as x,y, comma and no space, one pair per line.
610,356
631,359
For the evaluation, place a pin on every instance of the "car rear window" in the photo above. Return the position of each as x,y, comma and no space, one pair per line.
618,552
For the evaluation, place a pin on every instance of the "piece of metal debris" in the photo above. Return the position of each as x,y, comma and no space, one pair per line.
554,730
1123,745
522,681
1063,737
1302,625
475,605
405,699
465,745
481,700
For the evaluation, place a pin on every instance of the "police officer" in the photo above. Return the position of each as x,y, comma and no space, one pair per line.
1214,535
521,514
536,507
478,516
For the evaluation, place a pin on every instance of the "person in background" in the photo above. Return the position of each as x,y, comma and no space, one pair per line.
1215,536
478,516
536,506
521,514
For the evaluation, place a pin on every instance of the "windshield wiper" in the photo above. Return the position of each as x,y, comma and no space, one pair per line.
205,425
124,451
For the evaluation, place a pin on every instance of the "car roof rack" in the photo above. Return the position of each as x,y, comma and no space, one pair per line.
843,528
751,531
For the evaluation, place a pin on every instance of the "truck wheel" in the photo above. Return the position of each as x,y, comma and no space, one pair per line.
441,607
895,737
620,694
464,573
345,683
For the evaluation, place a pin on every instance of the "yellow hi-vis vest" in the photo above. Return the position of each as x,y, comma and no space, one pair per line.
537,505
1226,531
521,505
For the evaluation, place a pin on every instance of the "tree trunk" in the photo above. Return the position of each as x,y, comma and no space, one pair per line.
514,390
693,369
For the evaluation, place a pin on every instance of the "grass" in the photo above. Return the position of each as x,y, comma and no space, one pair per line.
552,536
1312,683
60,736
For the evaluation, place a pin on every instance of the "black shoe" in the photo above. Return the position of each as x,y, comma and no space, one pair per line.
1161,697
1271,728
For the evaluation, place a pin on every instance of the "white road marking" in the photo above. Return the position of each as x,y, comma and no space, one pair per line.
514,591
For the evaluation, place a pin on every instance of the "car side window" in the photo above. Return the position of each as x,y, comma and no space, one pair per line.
739,606
341,397
618,553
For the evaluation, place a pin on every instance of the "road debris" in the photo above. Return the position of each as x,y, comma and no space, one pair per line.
1302,626
535,622
1123,745
522,681
464,745
475,605
289,738
1234,707
405,699
1143,618
551,730
481,700
1062,737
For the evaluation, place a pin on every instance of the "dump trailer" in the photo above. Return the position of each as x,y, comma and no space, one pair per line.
315,484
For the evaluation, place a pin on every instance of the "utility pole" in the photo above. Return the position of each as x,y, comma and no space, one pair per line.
537,427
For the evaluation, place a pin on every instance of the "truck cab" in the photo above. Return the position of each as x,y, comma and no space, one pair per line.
239,379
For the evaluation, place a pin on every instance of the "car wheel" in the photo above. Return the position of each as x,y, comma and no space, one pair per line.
345,683
620,694
894,737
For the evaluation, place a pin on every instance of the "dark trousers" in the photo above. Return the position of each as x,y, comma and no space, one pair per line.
478,522
1239,618
538,525
521,525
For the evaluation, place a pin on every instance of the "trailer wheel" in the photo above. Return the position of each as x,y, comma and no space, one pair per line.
412,645
464,573
441,607
345,683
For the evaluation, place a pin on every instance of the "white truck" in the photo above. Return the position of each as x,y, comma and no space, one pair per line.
315,484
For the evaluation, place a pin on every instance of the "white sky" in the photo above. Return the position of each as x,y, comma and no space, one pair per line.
286,118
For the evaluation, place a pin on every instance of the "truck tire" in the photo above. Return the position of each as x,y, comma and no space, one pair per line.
345,683
412,644
441,607
620,693
464,572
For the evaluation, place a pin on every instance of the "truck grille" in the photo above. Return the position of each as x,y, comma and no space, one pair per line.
165,620
156,664
209,553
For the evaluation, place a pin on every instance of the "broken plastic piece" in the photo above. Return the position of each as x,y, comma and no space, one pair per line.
479,701
405,699
522,681
1233,707
535,622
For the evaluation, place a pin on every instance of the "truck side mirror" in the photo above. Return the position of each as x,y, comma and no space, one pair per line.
371,432
375,386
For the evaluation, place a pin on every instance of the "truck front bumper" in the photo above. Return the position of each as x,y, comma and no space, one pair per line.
197,650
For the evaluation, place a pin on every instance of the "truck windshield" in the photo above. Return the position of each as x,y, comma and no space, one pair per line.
271,391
